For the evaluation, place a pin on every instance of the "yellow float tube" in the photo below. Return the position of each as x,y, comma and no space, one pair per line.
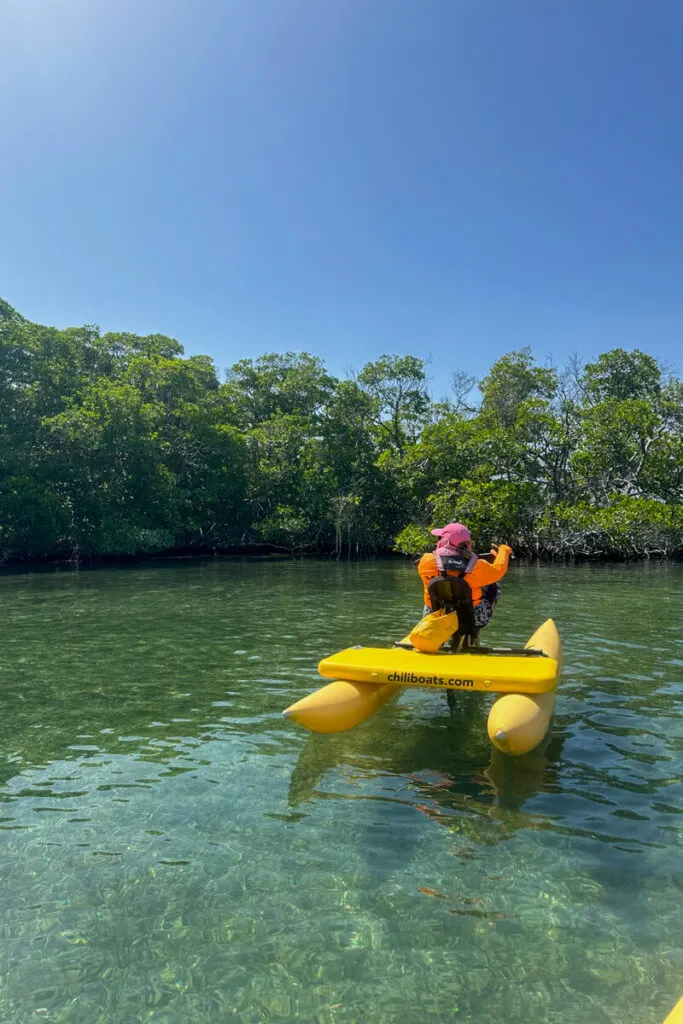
676,1015
340,705
519,721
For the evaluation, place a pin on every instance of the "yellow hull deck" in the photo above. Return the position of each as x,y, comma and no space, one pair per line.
517,721
496,673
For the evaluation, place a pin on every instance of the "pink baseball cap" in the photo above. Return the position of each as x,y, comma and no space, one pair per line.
454,534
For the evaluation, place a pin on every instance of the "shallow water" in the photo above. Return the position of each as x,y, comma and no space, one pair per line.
173,850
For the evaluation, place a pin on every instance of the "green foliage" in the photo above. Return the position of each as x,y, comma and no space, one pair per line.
622,376
635,527
414,539
397,386
515,386
587,461
116,444
284,527
292,384
497,511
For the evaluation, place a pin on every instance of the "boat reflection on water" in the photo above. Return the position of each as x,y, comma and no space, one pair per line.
445,759
419,759
517,779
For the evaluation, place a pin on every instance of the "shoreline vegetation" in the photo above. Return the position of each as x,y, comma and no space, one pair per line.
115,447
169,558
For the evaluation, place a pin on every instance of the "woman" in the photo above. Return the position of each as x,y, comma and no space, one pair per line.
454,557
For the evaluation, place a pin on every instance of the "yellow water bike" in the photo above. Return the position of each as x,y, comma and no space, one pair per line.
365,678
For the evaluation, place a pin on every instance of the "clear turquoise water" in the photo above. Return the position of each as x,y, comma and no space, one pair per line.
173,850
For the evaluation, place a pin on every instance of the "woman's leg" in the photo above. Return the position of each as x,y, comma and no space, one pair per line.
483,613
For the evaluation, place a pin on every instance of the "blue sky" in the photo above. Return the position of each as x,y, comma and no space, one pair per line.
447,178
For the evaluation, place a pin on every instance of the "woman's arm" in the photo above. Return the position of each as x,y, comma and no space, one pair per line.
486,572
